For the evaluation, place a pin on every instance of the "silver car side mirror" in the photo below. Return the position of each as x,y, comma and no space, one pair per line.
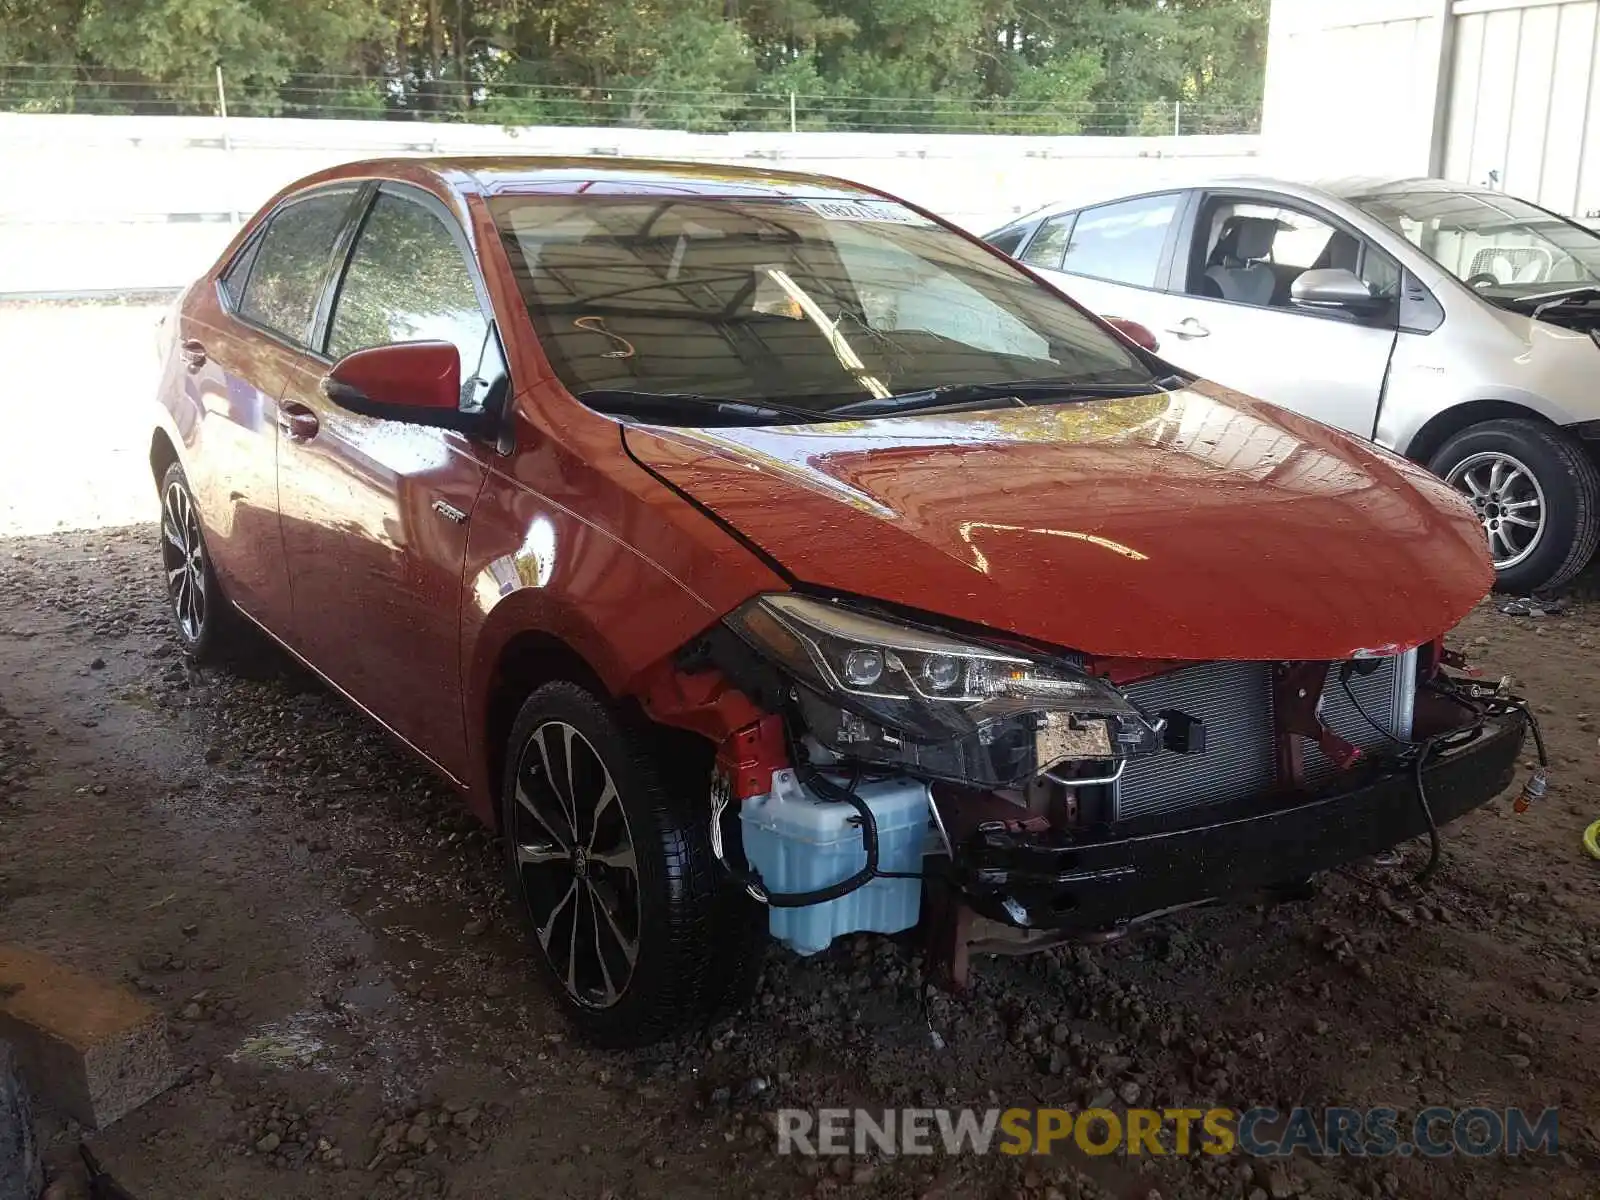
1335,288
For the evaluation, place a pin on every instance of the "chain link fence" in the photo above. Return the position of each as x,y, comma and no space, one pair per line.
39,88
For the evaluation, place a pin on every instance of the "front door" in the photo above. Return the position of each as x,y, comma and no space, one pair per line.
1233,321
375,512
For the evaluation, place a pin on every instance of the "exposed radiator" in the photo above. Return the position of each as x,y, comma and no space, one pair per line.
1387,696
1234,699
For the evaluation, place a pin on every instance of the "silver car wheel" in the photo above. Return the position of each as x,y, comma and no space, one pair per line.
1508,500
576,864
183,555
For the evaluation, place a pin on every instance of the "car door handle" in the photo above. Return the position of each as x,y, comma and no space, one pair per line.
194,354
297,421
1188,328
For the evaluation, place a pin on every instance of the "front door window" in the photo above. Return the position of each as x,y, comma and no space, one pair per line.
407,282
1252,253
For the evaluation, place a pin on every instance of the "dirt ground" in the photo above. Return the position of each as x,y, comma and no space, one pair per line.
355,1012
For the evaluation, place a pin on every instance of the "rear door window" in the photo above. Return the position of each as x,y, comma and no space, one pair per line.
1007,240
1123,242
291,264
238,274
1049,245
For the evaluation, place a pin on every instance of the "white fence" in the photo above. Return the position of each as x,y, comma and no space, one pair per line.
91,203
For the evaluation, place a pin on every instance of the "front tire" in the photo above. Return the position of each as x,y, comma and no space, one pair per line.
635,928
202,615
1537,494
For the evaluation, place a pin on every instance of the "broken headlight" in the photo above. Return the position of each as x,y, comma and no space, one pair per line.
881,691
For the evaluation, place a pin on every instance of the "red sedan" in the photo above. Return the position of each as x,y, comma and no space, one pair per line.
759,554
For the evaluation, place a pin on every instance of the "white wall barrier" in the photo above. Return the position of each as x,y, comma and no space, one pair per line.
91,203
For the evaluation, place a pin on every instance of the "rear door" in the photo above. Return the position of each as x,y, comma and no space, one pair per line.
1231,319
1114,259
238,345
375,512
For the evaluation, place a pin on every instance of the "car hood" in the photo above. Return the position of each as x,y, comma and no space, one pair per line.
1198,524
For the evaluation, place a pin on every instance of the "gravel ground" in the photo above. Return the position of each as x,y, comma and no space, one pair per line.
327,930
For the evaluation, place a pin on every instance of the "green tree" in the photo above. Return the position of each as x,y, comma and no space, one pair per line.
1010,65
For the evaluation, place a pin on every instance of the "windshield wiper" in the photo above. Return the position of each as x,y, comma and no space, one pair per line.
956,394
622,402
1540,300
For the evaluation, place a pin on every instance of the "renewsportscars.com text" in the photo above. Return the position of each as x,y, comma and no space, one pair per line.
1260,1132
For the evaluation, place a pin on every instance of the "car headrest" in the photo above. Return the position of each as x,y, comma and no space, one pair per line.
1251,237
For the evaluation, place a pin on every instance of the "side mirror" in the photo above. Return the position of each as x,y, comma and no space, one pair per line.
1337,289
1136,333
415,382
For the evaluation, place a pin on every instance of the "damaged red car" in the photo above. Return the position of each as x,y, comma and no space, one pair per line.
762,556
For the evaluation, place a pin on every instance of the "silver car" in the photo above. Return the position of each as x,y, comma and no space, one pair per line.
1454,325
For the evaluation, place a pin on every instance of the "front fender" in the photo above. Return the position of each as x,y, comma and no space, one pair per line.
1496,357
534,566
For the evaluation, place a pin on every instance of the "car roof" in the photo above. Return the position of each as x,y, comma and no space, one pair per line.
533,174
1348,187
1344,188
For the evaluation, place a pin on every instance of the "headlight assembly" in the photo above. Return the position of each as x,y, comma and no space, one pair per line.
882,691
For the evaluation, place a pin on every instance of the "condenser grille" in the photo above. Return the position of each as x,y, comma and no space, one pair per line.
1386,696
1234,699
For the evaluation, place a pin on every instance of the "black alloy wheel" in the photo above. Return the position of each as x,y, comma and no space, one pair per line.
576,864
637,930
201,613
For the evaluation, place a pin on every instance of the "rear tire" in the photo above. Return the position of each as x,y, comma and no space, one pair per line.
637,930
1515,470
205,620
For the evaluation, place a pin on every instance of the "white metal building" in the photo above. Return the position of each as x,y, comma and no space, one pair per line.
1504,92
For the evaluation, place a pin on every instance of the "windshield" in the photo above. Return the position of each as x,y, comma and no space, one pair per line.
807,305
1504,247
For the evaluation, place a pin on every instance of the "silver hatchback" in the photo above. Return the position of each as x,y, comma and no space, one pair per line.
1454,325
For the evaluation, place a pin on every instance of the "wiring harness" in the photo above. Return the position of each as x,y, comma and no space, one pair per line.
1482,704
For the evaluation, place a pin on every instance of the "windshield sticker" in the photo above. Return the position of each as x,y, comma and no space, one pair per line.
869,210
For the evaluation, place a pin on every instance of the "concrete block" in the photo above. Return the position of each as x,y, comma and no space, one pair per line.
91,1050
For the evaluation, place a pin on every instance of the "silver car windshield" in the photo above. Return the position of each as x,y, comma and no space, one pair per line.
1504,247
808,304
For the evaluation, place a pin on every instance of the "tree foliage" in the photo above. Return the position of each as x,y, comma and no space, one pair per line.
1025,65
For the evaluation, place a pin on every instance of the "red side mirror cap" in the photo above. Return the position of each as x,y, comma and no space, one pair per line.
1136,333
425,375
415,382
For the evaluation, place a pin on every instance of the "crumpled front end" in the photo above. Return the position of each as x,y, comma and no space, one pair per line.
1116,656
1013,799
